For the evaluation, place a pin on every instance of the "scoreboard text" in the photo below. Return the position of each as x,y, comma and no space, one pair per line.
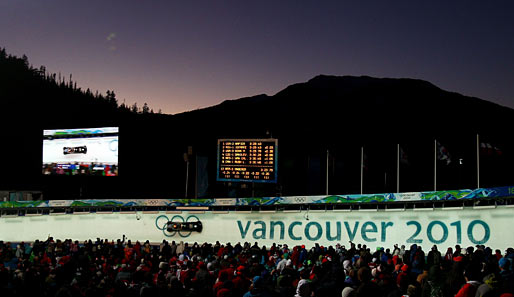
251,160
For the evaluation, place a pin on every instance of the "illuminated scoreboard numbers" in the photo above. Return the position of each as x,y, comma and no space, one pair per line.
247,160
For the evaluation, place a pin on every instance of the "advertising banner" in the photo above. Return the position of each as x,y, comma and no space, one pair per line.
444,228
499,192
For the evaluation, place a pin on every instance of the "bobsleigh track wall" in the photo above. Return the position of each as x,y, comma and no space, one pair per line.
490,225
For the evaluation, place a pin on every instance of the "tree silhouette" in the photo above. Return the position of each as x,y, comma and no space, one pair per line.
18,77
145,109
134,108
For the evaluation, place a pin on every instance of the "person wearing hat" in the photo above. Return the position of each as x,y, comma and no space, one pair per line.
506,274
509,254
402,280
449,255
433,257
241,282
455,277
348,292
257,289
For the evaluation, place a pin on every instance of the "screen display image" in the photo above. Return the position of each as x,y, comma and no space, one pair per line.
247,160
90,151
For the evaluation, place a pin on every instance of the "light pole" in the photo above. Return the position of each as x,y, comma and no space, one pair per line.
186,159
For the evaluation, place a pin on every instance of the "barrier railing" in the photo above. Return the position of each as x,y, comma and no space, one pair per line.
429,196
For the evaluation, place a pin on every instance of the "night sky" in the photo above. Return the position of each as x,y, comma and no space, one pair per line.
183,55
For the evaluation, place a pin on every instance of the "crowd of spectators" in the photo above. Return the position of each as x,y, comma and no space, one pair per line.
125,268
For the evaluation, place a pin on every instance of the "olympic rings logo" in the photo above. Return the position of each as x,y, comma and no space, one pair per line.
162,221
300,199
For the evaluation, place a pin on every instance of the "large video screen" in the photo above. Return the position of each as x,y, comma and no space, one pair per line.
90,151
247,160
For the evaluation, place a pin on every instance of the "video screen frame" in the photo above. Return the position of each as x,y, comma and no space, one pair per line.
81,151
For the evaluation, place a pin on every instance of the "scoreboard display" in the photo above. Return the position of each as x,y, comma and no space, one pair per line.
247,160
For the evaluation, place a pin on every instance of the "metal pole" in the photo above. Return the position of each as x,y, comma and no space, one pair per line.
196,176
326,186
398,168
187,175
435,165
362,168
478,162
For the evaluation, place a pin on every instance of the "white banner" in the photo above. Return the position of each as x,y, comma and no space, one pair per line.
466,227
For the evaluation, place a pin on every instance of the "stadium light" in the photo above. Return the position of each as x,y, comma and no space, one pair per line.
423,208
453,208
484,206
173,212
268,211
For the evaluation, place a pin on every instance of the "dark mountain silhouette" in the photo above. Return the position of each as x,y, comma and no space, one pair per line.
338,114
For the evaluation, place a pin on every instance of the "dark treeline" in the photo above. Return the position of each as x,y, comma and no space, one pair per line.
19,80
338,114
32,100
